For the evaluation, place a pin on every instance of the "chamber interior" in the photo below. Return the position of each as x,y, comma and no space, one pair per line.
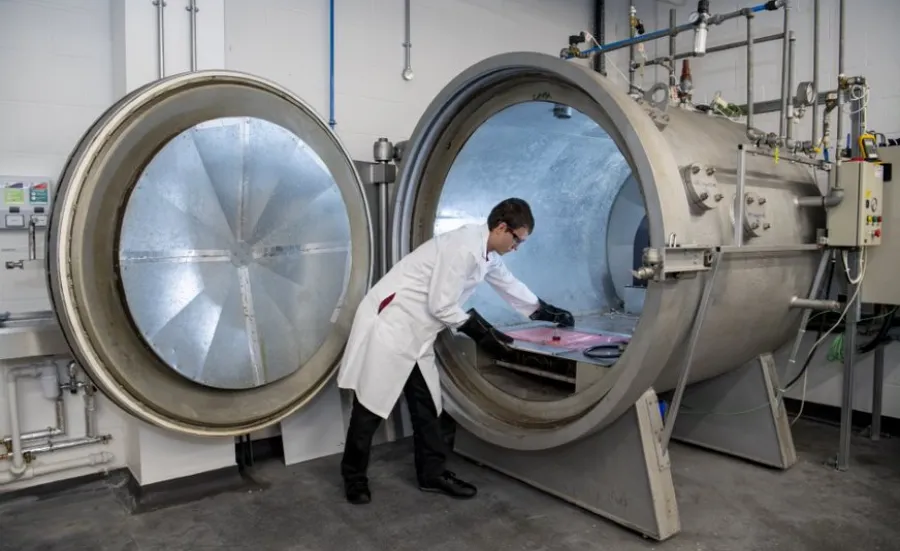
590,232
234,253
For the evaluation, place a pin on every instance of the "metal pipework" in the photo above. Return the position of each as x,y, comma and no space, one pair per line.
839,141
673,22
407,44
739,202
49,432
792,40
701,31
785,68
65,445
826,257
32,240
647,37
816,304
750,17
815,106
664,60
857,114
631,47
160,37
832,199
192,10
787,157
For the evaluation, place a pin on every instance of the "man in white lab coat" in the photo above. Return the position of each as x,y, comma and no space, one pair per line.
390,349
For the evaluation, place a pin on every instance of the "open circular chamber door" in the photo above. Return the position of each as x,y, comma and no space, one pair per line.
208,247
589,160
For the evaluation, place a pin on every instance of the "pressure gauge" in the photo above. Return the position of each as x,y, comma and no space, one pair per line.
806,95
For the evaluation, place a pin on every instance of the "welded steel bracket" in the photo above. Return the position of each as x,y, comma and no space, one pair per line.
674,262
686,258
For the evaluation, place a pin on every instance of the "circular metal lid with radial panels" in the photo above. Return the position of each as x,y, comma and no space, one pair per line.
209,244
233,253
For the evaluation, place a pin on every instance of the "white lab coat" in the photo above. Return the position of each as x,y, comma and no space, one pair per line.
429,285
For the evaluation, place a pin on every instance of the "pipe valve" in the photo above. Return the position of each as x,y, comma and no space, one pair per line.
701,29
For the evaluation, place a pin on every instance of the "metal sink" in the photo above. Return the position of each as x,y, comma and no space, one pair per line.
30,335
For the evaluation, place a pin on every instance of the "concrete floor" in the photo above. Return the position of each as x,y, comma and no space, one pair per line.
725,504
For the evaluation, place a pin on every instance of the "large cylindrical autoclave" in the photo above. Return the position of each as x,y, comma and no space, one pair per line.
606,176
210,241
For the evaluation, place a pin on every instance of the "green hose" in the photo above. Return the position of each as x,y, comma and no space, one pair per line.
836,350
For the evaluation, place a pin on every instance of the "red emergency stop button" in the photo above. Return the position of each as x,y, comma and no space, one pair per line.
877,233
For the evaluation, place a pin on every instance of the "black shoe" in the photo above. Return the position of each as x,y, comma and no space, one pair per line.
448,484
358,492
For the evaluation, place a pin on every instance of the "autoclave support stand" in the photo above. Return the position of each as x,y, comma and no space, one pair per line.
739,414
621,473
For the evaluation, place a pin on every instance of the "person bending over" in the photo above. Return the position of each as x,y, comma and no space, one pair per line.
390,348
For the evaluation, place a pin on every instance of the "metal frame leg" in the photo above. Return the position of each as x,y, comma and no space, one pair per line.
692,345
853,310
877,392
623,472
741,414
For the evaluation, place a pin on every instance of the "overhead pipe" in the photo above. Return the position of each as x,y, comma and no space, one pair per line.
664,60
673,22
750,130
815,79
407,44
789,117
771,5
331,122
192,9
161,37
785,62
632,15
842,11
600,34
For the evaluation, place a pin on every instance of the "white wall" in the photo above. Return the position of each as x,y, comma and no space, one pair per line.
56,70
288,42
64,61
869,27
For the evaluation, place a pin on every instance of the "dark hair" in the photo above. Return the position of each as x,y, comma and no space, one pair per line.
515,212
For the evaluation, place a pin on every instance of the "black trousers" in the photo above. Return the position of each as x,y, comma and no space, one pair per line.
432,434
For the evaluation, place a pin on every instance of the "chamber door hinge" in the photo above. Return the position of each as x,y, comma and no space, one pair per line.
373,174
673,262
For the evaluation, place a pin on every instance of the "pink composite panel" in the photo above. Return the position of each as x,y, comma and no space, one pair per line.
568,338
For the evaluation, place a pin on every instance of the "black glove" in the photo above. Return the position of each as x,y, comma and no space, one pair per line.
548,312
484,334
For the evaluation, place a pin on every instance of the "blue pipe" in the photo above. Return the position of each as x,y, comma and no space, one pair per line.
650,36
331,121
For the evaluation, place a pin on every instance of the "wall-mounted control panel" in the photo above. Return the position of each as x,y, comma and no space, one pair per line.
23,199
858,220
883,263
